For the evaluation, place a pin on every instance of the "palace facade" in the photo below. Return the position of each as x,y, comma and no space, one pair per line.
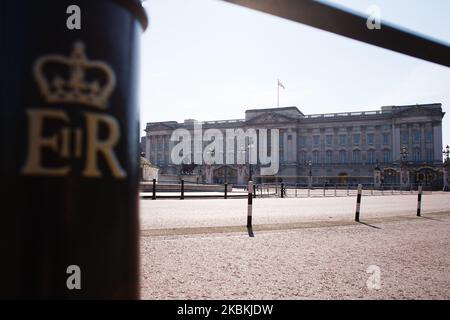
396,145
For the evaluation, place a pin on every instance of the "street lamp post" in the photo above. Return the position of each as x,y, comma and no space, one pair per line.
404,153
404,176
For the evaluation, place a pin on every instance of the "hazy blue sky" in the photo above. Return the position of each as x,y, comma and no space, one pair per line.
210,60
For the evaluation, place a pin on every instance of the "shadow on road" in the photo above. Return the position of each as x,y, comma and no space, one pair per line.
434,219
369,225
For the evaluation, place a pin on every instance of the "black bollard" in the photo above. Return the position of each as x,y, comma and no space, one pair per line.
225,192
282,190
70,177
249,204
154,190
358,202
182,190
419,200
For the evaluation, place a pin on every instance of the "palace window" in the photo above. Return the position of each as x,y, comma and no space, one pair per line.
370,138
329,156
356,138
417,156
316,157
342,156
316,140
356,156
302,141
302,157
385,138
405,137
429,136
371,156
416,136
343,139
386,156
429,155
329,139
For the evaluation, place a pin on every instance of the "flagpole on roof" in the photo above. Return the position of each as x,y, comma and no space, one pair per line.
279,84
278,93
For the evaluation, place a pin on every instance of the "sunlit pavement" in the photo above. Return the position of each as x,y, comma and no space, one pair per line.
314,261
412,257
161,214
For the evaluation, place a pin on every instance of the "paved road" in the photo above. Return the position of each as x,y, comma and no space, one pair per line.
188,213
322,263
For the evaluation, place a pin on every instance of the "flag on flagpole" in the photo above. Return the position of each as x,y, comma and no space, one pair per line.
280,84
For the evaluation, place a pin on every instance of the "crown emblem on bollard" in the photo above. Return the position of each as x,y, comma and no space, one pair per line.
74,79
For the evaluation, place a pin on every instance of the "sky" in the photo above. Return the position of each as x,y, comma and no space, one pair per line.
211,60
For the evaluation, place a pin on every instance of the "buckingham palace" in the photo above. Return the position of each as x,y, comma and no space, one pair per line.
395,145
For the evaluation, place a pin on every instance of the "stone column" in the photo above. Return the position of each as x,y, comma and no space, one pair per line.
395,143
437,143
410,144
294,145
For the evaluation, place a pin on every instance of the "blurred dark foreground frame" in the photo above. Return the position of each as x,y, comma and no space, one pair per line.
52,222
70,158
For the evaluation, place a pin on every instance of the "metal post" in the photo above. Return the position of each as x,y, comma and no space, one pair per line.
154,190
182,189
419,200
225,191
249,204
282,190
358,202
254,191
